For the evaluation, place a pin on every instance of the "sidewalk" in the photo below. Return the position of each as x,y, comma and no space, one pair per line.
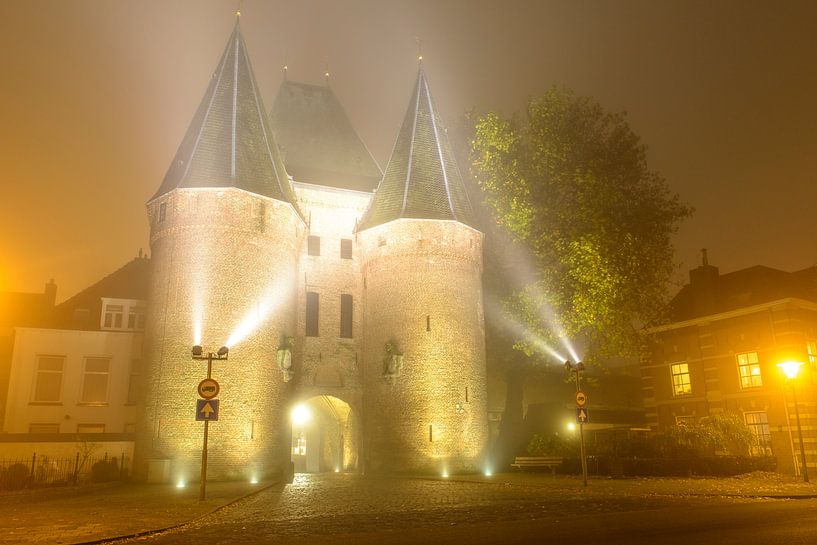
78,515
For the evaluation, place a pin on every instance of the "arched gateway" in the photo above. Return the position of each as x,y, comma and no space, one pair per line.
352,293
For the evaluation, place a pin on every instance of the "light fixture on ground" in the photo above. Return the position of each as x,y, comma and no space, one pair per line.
198,354
791,369
577,368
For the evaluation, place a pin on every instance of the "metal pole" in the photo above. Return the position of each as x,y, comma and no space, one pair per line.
800,433
791,438
203,479
581,430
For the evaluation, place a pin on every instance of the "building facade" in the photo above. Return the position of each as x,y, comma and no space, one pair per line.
720,353
346,295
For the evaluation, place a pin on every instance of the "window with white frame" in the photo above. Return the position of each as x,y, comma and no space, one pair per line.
48,379
749,370
681,384
758,423
123,314
95,380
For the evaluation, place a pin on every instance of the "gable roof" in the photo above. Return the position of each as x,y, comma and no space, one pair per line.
422,179
128,282
317,140
711,293
229,142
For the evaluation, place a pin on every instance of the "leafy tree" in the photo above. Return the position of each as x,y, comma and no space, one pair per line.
570,182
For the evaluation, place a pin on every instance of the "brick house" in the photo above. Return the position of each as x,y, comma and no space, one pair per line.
720,350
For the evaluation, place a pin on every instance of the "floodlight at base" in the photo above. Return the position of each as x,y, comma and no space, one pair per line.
180,484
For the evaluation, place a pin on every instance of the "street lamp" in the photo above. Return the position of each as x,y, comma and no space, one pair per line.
198,354
577,368
791,369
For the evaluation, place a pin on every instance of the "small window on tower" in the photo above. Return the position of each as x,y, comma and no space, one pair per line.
311,314
162,211
346,316
346,248
313,245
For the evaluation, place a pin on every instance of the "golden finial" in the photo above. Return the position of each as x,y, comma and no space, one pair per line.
238,10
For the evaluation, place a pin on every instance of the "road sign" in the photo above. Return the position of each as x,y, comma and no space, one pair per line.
207,409
582,415
581,399
208,388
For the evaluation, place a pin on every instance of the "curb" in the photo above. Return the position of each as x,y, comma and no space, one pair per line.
178,525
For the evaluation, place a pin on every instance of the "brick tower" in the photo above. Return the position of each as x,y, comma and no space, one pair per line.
424,340
225,239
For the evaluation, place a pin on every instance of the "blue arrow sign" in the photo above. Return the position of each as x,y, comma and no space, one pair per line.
582,415
207,409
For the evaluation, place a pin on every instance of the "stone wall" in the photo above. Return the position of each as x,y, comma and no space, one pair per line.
223,270
423,290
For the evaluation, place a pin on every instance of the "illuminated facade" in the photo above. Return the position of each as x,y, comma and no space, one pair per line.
720,353
354,292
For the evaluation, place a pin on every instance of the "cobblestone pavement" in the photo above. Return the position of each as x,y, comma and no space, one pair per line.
330,504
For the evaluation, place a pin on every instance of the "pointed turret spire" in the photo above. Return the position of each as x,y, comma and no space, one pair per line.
229,142
422,179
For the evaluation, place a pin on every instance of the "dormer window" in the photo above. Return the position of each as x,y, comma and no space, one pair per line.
123,314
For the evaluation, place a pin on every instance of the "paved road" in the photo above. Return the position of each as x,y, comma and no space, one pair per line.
348,509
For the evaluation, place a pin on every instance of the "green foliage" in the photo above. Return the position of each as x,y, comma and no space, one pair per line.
570,181
724,432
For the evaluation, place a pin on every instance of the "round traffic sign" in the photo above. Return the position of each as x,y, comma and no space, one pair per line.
581,398
208,388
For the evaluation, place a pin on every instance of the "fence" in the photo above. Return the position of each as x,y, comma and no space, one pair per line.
42,471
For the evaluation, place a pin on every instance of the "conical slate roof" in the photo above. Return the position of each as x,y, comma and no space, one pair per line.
422,179
229,142
317,140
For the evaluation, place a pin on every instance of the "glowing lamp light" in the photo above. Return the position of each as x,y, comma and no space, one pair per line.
445,474
180,484
488,472
254,480
337,470
790,368
571,426
300,415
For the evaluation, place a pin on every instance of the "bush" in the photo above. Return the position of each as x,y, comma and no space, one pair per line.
14,477
104,471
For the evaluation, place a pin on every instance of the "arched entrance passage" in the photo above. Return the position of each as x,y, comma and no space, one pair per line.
324,435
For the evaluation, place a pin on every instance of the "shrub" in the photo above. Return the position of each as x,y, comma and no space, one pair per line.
15,477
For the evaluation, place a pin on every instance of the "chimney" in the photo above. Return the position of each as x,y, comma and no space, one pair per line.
704,282
50,294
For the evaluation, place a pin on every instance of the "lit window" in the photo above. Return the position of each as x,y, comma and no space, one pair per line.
43,428
313,245
299,446
345,248
749,370
684,420
48,382
95,380
758,423
90,428
346,316
311,314
681,385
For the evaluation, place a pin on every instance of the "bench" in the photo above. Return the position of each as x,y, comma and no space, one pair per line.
536,462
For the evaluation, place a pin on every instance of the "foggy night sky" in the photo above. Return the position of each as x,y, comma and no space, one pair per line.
95,97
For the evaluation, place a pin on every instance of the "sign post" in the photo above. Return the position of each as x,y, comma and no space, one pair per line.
582,414
207,408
